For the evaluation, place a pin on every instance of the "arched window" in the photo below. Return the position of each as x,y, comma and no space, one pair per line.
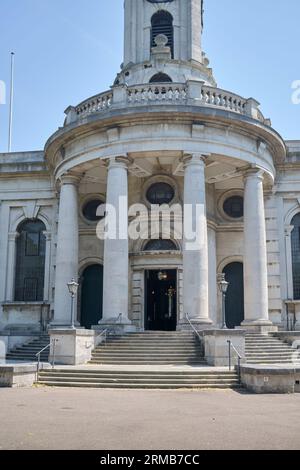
296,255
161,78
162,23
30,262
160,245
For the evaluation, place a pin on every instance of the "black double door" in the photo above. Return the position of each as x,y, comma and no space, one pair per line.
91,295
234,274
161,300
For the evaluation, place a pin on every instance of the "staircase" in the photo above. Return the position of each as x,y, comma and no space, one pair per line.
27,352
151,348
266,349
150,360
139,379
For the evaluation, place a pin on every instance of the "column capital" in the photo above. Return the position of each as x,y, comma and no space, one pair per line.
70,178
118,161
189,159
254,172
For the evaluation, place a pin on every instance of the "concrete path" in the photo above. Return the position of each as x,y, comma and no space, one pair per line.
46,418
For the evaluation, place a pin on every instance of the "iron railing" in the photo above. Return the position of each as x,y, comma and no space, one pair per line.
38,355
231,347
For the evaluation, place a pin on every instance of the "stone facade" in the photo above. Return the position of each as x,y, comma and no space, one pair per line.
206,143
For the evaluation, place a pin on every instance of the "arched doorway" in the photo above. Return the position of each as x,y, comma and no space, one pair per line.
91,295
234,274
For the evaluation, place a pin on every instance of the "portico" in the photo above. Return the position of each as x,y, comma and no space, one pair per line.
126,262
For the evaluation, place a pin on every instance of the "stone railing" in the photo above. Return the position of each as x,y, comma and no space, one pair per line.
94,105
223,99
192,93
167,93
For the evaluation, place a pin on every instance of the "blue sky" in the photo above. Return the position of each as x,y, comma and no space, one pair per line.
68,50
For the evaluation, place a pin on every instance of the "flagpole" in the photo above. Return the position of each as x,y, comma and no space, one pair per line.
11,101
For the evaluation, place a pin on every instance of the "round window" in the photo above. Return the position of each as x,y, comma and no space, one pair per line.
160,193
234,207
89,210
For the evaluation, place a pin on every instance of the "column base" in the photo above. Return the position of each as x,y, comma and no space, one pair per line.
65,326
297,326
258,326
115,327
199,323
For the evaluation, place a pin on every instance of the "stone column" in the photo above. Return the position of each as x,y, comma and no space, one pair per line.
116,256
255,252
195,251
67,249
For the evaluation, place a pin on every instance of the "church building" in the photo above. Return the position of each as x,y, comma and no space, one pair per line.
165,133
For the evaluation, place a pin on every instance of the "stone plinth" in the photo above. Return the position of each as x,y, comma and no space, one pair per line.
271,379
216,348
72,347
16,375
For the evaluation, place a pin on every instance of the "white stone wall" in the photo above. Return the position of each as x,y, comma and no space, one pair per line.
24,197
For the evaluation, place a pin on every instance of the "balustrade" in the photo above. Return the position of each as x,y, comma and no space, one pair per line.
171,93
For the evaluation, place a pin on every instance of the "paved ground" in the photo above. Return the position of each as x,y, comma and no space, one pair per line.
46,418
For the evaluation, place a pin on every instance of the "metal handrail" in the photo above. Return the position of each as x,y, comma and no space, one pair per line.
191,324
103,333
231,346
38,355
119,317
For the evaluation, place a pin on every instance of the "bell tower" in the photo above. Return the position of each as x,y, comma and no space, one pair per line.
165,35
183,19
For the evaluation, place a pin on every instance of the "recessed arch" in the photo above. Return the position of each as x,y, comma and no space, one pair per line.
91,295
234,309
161,78
162,23
30,261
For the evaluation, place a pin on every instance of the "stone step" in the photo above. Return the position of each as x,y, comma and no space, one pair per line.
269,343
269,346
135,381
202,373
25,355
146,357
150,347
27,351
270,362
149,343
146,362
30,346
272,353
142,386
272,356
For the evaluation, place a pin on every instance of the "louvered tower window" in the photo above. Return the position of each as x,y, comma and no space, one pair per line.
296,255
162,23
